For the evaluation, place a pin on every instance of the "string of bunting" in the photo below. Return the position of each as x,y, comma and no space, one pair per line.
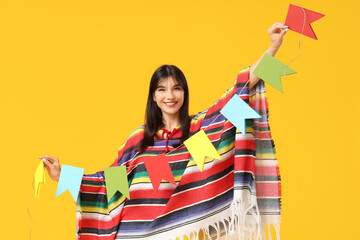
199,145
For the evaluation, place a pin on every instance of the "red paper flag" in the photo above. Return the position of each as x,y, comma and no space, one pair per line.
295,20
158,168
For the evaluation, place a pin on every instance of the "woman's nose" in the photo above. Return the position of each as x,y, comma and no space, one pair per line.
170,94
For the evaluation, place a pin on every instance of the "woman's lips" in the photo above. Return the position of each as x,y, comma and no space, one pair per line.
170,103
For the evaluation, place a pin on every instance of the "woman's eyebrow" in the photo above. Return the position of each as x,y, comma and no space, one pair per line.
176,85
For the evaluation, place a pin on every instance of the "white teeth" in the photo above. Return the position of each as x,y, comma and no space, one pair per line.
170,103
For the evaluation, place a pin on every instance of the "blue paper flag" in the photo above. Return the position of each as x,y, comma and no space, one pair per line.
70,179
236,111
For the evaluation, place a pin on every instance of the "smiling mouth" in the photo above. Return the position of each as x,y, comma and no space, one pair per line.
170,103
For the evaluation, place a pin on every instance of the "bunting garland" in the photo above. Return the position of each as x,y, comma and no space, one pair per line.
199,145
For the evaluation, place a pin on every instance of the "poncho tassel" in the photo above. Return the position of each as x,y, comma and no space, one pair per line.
244,224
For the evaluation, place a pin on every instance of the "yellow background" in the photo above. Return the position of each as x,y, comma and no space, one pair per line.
74,81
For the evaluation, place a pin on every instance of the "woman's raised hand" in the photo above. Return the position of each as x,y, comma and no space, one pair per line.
276,33
52,165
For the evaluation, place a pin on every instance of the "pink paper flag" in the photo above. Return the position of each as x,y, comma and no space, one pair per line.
158,168
295,20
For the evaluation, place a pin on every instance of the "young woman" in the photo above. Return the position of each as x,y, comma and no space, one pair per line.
220,201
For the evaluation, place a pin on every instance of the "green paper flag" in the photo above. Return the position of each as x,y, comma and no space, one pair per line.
270,70
116,180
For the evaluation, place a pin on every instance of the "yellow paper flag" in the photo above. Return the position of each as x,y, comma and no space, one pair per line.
200,146
39,178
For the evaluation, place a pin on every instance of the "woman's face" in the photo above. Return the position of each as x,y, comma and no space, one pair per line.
169,96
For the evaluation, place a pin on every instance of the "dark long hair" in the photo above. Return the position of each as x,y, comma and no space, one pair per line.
153,114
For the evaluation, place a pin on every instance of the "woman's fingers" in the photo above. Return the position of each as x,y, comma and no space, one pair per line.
50,162
50,158
279,30
46,162
277,27
47,168
52,165
276,33
279,24
46,158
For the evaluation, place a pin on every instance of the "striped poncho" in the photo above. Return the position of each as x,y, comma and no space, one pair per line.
233,198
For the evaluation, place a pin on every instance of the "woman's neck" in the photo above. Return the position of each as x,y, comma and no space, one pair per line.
171,122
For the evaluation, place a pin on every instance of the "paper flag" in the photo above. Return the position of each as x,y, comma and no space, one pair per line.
158,168
39,178
295,20
236,111
270,70
200,146
70,179
116,180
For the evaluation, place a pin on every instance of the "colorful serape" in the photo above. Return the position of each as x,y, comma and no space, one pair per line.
233,198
